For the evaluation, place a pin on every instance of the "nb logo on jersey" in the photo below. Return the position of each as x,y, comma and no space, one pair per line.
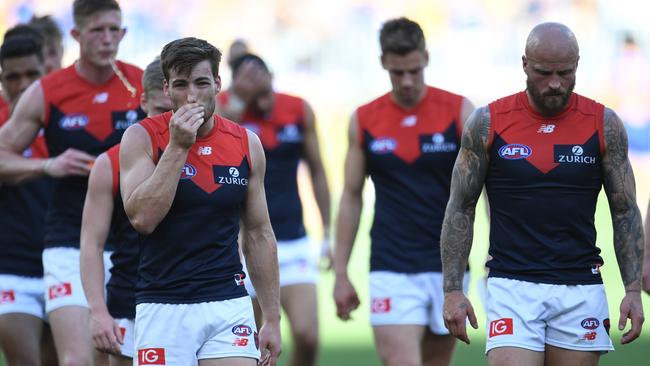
205,150
501,326
100,98
546,128
380,305
151,356
188,171
7,296
515,151
60,290
409,121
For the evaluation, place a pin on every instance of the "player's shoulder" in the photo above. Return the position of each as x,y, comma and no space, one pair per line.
132,72
440,95
227,126
62,77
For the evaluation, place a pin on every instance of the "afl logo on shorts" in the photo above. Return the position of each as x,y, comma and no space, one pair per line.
383,145
151,356
380,305
73,122
188,171
590,323
515,151
500,327
242,330
60,290
7,296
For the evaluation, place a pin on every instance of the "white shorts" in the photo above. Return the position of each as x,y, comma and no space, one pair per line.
530,315
127,327
63,277
408,298
298,262
23,295
182,334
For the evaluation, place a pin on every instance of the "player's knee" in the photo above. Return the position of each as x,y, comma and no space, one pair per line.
75,360
307,339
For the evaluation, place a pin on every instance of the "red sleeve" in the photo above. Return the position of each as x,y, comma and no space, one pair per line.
113,155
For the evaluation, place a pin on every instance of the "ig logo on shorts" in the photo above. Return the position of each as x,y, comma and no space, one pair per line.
151,356
500,327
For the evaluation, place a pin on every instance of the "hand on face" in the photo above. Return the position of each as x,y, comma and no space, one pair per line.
185,124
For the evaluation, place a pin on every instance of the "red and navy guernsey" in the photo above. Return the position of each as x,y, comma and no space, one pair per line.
543,183
409,155
86,117
192,256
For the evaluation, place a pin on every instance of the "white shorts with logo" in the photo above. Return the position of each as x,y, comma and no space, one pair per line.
127,327
182,334
408,298
530,315
19,294
63,277
298,262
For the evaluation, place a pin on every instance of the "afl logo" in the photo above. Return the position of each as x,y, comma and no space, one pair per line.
383,145
242,330
188,171
515,151
73,122
590,323
234,172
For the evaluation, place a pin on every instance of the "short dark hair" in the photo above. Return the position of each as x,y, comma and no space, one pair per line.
401,36
21,40
48,28
183,54
82,9
239,61
152,78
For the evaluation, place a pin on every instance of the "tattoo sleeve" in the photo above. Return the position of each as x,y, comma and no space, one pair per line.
618,180
467,182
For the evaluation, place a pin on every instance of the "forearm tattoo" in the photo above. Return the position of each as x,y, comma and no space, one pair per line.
467,182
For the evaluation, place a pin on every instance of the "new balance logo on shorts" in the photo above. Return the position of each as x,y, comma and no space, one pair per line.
240,342
7,296
60,290
380,305
501,326
151,356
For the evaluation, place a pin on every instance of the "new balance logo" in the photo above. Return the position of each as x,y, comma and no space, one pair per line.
151,356
546,129
205,150
100,98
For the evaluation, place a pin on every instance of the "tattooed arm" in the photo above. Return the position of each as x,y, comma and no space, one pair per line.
618,181
457,228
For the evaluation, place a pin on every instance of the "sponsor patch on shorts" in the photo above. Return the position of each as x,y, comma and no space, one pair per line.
60,290
7,296
380,305
151,356
501,326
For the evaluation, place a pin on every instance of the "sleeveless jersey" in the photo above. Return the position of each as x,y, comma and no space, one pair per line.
22,215
409,156
281,134
192,256
543,183
86,117
120,290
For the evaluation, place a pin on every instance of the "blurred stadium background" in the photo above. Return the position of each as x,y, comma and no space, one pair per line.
328,52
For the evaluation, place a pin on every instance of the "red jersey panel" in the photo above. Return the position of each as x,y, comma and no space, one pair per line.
543,183
410,155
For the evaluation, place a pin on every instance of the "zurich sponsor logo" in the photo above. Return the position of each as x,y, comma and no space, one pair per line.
234,172
242,330
515,151
590,323
73,122
188,171
383,145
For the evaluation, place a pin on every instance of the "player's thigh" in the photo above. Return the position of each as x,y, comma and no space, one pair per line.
399,345
300,302
114,360
556,356
230,361
437,349
20,338
514,356
71,332
48,351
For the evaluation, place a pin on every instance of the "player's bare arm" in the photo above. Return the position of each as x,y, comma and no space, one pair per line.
467,182
260,251
345,296
646,261
95,225
20,131
148,189
317,171
618,181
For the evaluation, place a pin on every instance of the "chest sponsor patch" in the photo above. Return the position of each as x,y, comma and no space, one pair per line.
436,144
230,175
573,154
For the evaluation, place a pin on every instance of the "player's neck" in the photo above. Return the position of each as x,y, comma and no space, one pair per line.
92,73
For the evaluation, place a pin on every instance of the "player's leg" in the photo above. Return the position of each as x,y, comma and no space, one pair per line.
300,303
230,361
437,349
399,345
127,327
20,338
48,350
72,336
114,360
514,356
556,356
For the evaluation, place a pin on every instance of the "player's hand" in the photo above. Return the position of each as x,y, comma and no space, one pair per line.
456,310
646,274
345,297
184,125
631,308
105,332
71,162
250,80
270,343
326,255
